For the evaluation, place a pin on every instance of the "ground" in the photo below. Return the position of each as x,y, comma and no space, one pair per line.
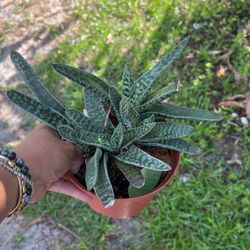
206,206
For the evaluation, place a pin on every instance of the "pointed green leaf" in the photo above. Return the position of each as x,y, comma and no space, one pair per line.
130,116
68,134
137,157
92,169
133,174
117,137
158,97
115,99
37,109
98,140
85,79
151,177
103,187
145,82
175,144
150,119
166,130
81,121
95,109
34,83
127,83
137,133
172,111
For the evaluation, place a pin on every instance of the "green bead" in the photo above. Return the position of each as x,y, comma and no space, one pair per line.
12,155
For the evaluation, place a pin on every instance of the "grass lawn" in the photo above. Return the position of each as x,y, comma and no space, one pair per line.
210,207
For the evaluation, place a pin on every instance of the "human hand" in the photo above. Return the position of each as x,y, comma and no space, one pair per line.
49,158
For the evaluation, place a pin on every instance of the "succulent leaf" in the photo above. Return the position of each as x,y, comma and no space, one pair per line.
137,157
130,116
84,79
117,137
103,187
37,109
35,84
95,109
133,174
150,119
151,177
98,140
81,121
175,144
172,111
144,84
166,130
137,133
68,134
115,99
127,83
92,169
158,96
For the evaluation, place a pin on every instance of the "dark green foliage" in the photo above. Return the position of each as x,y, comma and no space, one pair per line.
151,178
85,79
132,174
37,109
117,128
92,169
103,187
172,111
34,83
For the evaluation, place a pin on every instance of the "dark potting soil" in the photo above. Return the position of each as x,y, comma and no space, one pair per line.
119,182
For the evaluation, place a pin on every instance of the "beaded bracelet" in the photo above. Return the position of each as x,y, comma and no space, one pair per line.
16,166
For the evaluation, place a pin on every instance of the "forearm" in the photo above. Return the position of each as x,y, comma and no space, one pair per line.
8,192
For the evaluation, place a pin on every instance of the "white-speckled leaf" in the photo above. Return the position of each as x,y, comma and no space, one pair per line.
92,169
35,84
103,187
135,156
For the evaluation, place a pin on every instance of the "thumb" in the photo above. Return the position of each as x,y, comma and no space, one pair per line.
64,187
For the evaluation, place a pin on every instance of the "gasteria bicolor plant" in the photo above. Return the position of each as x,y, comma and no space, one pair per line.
139,119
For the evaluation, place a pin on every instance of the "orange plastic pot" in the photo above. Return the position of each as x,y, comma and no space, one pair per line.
126,207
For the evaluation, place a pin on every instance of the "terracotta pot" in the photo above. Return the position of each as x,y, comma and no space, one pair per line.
126,207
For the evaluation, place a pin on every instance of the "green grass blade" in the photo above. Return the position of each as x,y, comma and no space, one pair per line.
92,169
175,144
34,83
133,174
103,187
37,109
172,111
85,79
137,157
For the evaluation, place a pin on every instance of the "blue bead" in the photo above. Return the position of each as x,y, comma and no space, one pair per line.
12,155
19,162
26,199
4,153
24,170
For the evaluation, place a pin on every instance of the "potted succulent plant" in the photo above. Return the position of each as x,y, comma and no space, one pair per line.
130,146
